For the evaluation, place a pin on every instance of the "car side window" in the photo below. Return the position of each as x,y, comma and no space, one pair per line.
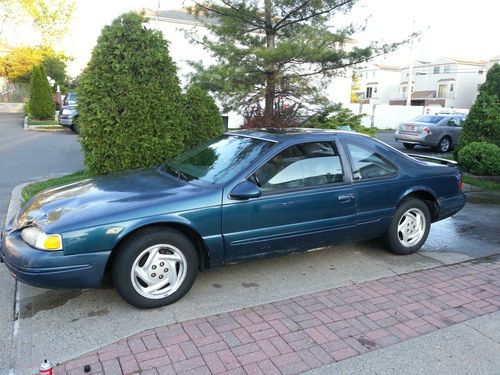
453,122
367,164
301,166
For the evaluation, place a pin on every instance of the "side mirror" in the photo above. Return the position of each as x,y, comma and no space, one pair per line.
245,190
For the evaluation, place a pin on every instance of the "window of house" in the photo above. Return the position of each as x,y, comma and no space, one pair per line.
437,70
446,69
404,91
480,71
442,91
373,74
369,91
300,166
375,90
452,87
367,164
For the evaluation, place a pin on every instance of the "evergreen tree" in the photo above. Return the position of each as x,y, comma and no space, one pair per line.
279,53
130,102
483,122
203,116
41,104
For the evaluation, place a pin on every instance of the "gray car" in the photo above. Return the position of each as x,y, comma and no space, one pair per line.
440,131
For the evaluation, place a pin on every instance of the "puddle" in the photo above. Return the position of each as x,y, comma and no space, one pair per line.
102,312
48,300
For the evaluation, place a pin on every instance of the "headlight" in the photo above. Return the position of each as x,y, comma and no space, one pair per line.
36,238
66,111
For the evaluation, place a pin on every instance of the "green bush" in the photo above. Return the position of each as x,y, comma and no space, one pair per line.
130,103
204,119
480,158
483,122
335,116
41,104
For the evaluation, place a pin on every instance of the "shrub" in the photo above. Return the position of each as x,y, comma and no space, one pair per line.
483,122
204,119
41,104
335,116
130,102
480,158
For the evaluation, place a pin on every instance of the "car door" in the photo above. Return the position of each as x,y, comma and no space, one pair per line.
306,202
375,187
453,129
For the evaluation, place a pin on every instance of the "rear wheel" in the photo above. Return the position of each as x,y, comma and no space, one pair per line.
409,227
408,145
155,267
444,145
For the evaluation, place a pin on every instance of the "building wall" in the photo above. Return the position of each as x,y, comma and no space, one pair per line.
385,81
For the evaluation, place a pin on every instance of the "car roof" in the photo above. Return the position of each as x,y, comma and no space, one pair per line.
284,134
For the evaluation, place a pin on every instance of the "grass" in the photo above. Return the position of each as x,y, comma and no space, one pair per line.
36,187
485,184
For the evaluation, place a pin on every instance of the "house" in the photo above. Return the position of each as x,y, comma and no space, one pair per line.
447,82
377,83
178,26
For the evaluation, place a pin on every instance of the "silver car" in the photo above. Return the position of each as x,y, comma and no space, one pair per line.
440,131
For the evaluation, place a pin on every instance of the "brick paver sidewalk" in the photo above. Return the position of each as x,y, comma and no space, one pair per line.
298,334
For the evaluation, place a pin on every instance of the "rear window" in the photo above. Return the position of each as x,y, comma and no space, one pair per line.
428,119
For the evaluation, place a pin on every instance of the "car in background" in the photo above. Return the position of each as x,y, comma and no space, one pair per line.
244,195
439,131
68,116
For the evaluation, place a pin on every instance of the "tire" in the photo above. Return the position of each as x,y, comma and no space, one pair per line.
405,221
173,266
444,145
408,145
74,127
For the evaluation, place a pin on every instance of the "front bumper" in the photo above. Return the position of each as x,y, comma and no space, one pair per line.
416,139
65,121
51,269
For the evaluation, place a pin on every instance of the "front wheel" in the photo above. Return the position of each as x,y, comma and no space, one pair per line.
409,227
156,267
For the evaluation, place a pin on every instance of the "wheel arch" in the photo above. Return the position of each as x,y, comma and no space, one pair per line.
424,194
201,247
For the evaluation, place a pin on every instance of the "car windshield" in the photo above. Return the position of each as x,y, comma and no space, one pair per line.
218,160
428,119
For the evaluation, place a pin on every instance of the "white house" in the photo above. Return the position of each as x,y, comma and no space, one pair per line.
176,25
378,83
448,82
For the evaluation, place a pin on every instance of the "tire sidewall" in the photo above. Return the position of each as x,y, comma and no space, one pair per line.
392,239
449,145
131,249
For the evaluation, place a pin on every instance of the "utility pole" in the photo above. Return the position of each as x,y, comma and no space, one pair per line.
410,68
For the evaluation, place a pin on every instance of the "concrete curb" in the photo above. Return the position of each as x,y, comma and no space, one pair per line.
15,201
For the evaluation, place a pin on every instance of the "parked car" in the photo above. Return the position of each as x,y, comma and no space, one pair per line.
68,116
440,131
244,195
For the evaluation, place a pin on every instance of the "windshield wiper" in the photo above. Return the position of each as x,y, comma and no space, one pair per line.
180,174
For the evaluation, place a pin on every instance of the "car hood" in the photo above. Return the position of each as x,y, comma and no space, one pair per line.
112,198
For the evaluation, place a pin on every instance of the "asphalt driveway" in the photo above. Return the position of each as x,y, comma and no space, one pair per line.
25,156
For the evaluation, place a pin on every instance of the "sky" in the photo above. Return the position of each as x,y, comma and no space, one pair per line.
453,28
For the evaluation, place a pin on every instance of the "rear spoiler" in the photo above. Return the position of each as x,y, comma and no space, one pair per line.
433,159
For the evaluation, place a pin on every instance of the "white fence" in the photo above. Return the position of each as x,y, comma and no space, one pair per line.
385,116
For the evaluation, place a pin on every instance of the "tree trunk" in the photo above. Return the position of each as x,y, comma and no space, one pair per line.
270,72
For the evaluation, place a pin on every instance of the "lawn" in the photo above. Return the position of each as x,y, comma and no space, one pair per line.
37,187
485,184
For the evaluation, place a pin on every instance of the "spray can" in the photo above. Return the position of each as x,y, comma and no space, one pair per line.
46,368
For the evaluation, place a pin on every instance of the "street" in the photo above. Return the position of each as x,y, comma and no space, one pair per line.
63,324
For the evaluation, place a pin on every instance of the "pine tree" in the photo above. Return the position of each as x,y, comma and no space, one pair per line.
483,121
130,102
278,54
42,105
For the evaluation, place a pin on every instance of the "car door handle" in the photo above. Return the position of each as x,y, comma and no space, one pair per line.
345,197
